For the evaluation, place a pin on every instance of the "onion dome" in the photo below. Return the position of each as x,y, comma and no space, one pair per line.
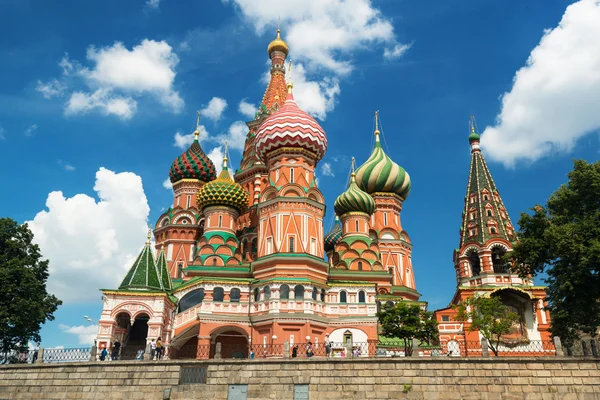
354,200
334,236
290,127
278,45
473,137
193,164
381,175
223,191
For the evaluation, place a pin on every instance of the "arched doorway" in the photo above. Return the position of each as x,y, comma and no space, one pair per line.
136,337
234,342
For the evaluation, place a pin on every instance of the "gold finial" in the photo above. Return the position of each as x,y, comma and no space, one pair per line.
472,124
290,84
225,156
377,126
278,23
149,234
353,173
197,131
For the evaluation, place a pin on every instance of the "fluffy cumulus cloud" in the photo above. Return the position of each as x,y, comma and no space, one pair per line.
326,170
323,33
214,109
554,98
324,37
109,232
247,109
103,100
167,184
184,141
152,4
85,334
235,136
116,79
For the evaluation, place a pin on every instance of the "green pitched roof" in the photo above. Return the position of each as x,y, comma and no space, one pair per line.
143,274
163,270
480,180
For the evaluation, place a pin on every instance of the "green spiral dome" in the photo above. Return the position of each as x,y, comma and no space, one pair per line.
354,199
223,191
381,174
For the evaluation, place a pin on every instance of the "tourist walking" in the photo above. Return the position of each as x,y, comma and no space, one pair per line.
152,349
309,350
295,351
115,350
103,354
327,346
159,349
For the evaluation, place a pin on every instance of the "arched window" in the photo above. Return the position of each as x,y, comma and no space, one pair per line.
214,261
343,297
267,293
391,271
179,270
218,294
284,292
378,306
489,213
191,299
500,266
475,263
299,292
292,175
314,293
322,294
234,295
493,230
220,221
361,297
360,265
356,225
256,294
291,244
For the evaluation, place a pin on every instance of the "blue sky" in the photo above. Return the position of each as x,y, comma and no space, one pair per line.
94,101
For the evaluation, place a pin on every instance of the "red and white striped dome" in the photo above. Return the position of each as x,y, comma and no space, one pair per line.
290,127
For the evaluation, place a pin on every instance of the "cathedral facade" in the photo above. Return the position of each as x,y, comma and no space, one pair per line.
244,260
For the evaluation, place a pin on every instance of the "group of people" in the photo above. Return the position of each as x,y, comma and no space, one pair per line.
115,352
157,350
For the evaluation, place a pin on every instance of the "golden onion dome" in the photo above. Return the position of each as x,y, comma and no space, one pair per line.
278,45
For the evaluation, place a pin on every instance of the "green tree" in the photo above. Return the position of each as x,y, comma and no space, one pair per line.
24,302
489,316
562,239
406,322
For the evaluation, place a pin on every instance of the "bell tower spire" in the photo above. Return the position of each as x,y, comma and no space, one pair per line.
487,232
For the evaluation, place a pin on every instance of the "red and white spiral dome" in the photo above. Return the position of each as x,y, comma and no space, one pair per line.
290,127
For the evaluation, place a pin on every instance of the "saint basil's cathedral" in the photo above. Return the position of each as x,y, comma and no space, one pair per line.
245,261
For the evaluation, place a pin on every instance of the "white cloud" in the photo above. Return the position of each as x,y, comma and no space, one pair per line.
396,52
216,155
2,132
323,33
315,97
109,233
31,129
66,165
327,170
117,77
103,100
85,334
236,136
54,88
152,4
167,184
555,96
184,141
247,109
214,109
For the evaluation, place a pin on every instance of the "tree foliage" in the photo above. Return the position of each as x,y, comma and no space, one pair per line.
24,302
406,322
562,239
489,316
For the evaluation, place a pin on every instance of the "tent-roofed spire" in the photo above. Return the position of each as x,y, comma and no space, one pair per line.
143,274
163,269
484,215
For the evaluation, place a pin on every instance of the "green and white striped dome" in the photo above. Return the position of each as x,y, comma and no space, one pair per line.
354,200
381,174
